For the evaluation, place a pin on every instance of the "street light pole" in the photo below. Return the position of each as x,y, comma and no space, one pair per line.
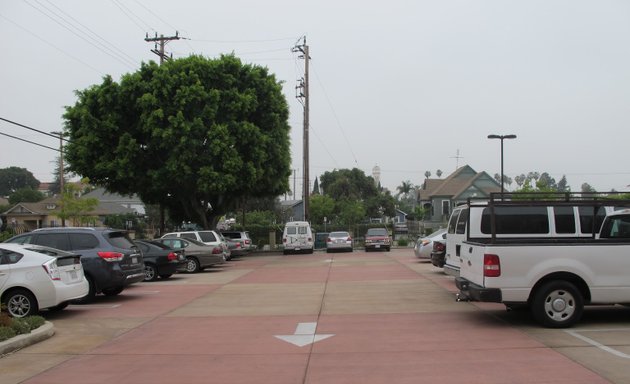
502,137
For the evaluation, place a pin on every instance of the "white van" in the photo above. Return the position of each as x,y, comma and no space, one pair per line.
518,220
297,237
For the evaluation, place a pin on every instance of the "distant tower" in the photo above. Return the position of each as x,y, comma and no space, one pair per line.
376,175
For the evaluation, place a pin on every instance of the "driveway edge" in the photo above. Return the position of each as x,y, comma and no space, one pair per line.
21,341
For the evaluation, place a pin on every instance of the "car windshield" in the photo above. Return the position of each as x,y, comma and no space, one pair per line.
377,232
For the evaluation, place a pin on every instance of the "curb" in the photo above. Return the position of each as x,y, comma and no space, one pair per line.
21,341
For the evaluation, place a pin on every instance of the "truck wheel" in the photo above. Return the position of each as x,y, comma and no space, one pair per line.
558,304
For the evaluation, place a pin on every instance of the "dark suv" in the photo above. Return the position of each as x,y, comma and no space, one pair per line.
111,261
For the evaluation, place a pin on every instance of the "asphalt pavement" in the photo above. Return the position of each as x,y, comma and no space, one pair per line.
378,317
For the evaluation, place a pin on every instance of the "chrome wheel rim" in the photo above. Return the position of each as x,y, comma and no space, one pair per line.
560,305
19,306
149,272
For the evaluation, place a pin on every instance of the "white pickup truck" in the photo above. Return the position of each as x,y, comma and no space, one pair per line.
534,254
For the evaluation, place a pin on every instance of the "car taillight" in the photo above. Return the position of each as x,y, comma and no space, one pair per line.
349,238
491,265
111,256
284,240
172,256
52,270
248,241
328,240
310,239
439,247
238,245
216,251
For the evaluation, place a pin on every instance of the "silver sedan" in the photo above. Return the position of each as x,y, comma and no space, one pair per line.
424,245
339,241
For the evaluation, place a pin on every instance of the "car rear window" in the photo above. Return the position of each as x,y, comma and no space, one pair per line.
339,234
377,232
120,240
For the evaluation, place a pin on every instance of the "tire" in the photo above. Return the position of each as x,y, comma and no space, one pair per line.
388,249
150,272
113,291
192,265
557,304
90,295
166,276
20,303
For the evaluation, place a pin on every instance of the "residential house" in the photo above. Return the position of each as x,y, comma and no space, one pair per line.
292,210
29,216
440,195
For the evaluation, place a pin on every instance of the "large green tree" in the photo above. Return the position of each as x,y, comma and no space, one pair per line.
14,178
195,135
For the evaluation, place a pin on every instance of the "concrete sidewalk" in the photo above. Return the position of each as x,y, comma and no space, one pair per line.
322,318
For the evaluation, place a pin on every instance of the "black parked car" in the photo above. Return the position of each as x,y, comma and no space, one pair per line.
111,261
159,260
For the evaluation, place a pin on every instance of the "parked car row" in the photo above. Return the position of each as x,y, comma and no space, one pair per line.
50,267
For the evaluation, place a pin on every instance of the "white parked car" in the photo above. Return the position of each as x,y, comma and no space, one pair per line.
33,277
424,245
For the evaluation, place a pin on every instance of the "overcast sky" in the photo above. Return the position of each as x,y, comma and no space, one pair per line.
405,85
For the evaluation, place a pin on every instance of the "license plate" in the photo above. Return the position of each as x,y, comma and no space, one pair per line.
377,246
73,275
134,260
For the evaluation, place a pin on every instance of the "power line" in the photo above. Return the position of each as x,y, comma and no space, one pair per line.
28,141
52,45
33,129
112,54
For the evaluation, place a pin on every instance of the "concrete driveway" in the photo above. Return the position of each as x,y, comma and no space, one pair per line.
378,317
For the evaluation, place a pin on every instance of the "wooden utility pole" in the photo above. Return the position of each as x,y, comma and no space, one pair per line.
303,96
162,43
160,52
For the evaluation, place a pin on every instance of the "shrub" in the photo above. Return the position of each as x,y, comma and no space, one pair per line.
34,322
403,242
6,333
20,326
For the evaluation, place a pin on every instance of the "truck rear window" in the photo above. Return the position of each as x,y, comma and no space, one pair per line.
516,220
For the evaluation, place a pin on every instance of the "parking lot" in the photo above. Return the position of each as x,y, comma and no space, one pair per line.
378,317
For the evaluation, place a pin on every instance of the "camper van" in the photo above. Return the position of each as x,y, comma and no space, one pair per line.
297,237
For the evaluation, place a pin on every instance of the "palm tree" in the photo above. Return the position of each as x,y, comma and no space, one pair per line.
405,188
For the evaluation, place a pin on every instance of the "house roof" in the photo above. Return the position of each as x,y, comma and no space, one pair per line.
103,196
51,204
457,183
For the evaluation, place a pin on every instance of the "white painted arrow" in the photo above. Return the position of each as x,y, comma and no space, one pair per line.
304,335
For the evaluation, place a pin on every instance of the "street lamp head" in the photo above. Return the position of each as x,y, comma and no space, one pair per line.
501,137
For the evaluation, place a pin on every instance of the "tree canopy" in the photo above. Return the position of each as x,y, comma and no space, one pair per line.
15,178
196,135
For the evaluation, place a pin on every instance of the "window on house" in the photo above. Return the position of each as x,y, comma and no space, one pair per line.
446,207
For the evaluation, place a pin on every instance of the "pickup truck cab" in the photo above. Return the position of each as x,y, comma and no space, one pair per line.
538,254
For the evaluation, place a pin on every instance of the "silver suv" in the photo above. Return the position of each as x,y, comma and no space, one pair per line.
242,242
